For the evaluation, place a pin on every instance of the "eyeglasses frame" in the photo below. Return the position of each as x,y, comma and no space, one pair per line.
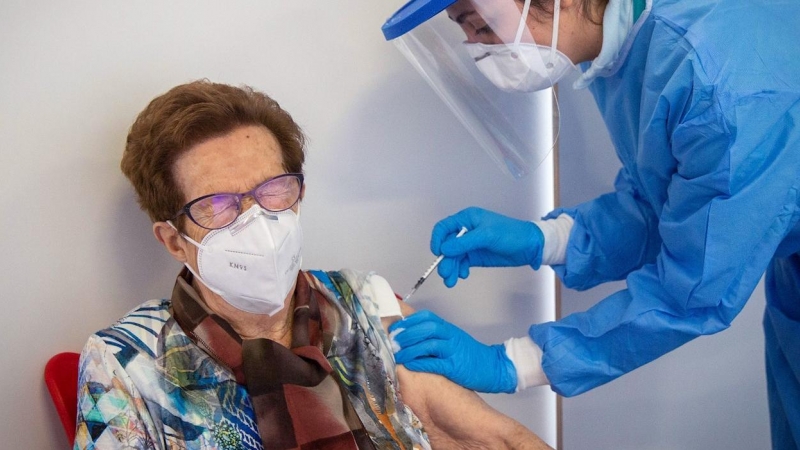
185,209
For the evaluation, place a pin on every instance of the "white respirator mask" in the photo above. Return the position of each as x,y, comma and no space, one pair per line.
521,66
252,263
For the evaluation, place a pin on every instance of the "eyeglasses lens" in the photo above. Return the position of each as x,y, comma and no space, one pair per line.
279,193
216,211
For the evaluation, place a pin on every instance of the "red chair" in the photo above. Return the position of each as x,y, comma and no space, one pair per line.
61,376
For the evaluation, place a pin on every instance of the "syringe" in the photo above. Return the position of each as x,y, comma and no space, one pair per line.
430,269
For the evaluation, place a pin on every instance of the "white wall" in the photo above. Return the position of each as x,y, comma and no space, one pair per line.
386,160
708,394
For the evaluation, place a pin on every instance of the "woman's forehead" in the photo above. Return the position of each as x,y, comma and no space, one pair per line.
235,162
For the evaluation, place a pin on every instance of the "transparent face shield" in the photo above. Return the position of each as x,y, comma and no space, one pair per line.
480,57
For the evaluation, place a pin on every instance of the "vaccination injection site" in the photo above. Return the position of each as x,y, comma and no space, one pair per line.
450,224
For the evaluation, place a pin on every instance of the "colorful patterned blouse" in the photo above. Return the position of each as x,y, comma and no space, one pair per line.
144,384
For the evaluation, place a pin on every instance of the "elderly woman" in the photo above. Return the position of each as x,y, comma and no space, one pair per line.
251,352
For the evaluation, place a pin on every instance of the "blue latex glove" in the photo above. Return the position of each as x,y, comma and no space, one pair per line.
430,344
492,240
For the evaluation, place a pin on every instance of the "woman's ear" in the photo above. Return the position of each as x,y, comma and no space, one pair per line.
171,239
303,192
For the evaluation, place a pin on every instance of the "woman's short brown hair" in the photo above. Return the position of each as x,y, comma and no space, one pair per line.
188,115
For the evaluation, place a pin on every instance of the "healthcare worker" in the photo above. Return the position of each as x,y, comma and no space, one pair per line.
702,101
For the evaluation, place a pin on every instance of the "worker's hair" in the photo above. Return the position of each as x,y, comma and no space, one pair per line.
591,9
188,115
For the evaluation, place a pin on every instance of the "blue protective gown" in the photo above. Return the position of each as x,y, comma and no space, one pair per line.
704,114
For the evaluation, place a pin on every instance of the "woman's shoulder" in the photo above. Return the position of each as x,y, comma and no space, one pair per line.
149,317
373,291
356,278
138,331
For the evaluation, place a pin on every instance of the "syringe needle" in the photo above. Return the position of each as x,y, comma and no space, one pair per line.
430,269
420,281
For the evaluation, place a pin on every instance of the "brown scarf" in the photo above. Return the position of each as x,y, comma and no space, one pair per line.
299,404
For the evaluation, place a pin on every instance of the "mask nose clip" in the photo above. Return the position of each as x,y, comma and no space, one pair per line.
246,218
263,212
483,56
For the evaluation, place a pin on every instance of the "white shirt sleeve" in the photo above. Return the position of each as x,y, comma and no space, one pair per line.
383,295
527,359
522,351
556,235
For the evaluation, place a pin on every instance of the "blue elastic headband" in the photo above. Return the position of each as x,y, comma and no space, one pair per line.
411,15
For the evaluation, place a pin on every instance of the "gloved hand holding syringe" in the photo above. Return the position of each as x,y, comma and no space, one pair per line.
430,269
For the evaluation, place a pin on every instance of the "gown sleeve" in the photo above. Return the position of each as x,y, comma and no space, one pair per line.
111,412
730,201
610,237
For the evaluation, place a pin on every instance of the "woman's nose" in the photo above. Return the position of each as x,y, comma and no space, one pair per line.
247,202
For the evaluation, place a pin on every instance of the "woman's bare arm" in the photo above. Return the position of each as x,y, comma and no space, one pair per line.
455,417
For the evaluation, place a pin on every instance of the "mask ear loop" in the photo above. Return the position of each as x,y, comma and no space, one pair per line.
186,264
185,236
553,50
554,37
520,29
522,24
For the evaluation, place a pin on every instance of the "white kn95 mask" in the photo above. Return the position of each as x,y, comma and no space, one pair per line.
252,263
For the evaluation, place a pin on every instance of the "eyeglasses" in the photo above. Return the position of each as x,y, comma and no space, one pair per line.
215,211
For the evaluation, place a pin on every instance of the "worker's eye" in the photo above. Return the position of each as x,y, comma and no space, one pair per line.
486,29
